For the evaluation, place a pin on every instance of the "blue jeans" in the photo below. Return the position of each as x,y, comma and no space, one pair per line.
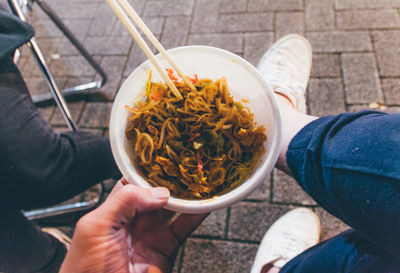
350,165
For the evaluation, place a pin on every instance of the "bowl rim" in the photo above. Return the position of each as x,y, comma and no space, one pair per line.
235,195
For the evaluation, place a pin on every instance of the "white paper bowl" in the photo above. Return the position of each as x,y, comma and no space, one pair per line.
244,81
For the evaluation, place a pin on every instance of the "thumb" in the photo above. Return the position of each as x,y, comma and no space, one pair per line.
122,205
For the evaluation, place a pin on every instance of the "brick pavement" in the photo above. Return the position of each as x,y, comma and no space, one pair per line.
356,65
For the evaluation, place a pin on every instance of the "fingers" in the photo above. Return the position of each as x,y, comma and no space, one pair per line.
122,182
124,201
185,224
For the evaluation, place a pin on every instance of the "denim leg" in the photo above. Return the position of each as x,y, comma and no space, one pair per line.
347,252
350,164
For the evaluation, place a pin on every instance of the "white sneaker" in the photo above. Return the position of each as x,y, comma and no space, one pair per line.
286,66
294,232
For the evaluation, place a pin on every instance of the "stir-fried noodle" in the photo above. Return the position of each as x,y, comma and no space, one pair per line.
198,146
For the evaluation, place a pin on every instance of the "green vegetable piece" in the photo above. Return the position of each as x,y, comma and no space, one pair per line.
176,145
220,143
238,105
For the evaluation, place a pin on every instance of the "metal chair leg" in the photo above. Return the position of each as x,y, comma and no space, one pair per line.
57,96
66,207
75,90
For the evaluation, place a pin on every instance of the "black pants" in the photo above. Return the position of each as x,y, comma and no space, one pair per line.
39,167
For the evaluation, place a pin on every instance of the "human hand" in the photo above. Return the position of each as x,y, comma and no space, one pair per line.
129,232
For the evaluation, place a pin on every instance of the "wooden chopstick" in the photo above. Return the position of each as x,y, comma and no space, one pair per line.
142,44
142,26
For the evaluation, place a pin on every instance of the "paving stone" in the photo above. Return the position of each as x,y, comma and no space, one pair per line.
288,22
138,5
319,15
48,47
66,48
75,108
229,6
346,4
387,44
393,109
330,225
104,21
168,8
46,112
325,65
217,256
108,45
28,66
175,31
340,41
262,193
361,85
368,19
249,221
391,90
227,41
94,131
255,45
136,57
382,3
155,24
96,115
72,11
214,225
326,97
60,130
205,16
245,22
71,66
36,85
286,190
361,107
270,5
114,67
78,27
45,28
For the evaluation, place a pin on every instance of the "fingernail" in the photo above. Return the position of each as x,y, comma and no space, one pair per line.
160,193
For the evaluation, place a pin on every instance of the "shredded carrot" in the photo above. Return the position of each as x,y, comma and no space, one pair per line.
195,79
155,93
199,163
245,100
171,74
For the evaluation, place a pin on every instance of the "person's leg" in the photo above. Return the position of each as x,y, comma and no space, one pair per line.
350,165
347,163
346,252
39,167
24,248
292,122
